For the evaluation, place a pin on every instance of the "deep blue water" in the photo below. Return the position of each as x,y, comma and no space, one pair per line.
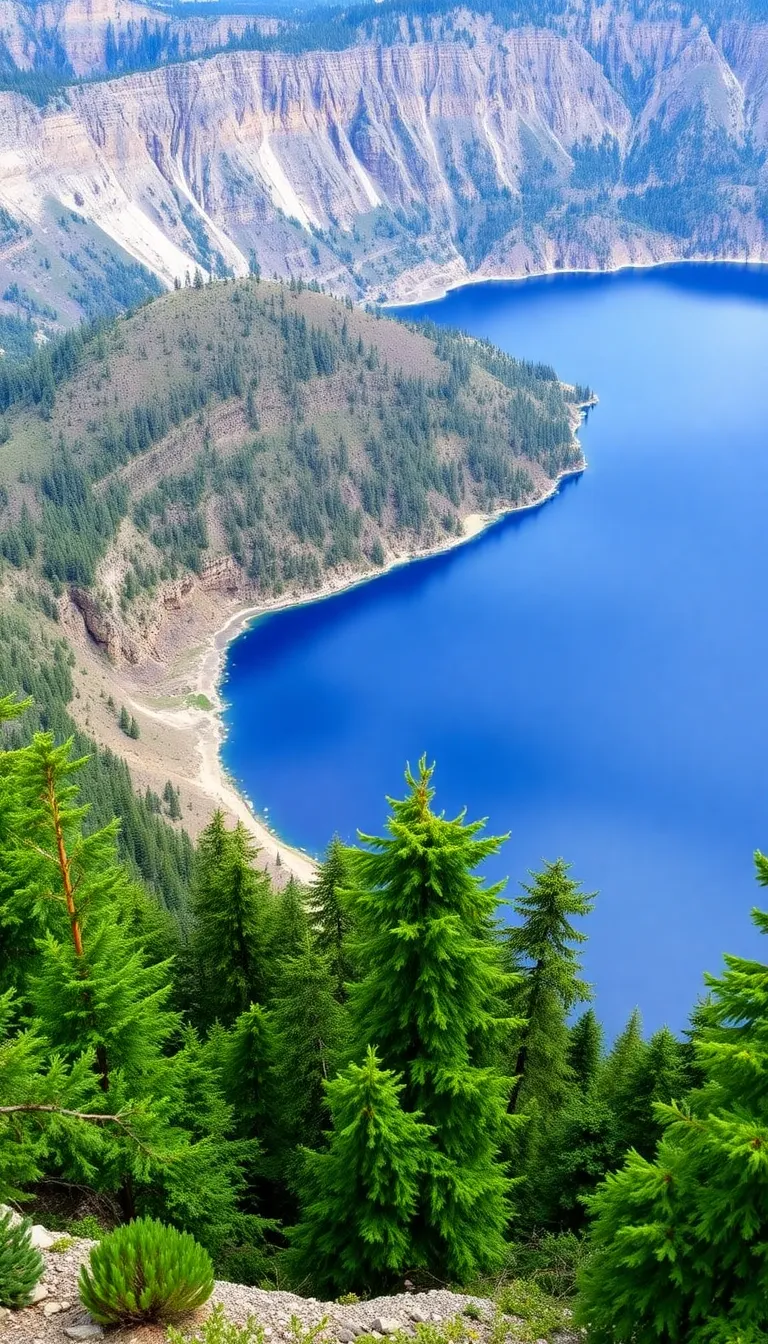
591,676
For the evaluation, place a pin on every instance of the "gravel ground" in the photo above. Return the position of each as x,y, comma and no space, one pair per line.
58,1312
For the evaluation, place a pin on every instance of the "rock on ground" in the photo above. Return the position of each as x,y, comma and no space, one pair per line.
383,1316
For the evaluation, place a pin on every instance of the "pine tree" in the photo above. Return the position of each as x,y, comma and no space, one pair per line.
360,1196
585,1050
660,1074
330,916
248,1058
231,905
617,1080
289,924
310,1032
95,997
543,950
678,1242
429,999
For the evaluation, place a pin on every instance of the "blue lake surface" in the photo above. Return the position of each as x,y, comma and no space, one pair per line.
591,676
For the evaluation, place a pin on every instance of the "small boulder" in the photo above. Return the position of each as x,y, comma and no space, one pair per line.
41,1238
51,1308
87,1330
386,1325
39,1294
417,1315
345,1336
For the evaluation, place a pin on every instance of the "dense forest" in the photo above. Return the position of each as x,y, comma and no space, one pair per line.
387,1073
146,44
265,425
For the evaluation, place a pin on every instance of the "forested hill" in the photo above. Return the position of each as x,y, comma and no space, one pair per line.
258,435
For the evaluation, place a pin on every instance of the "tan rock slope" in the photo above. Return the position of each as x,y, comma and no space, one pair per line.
386,170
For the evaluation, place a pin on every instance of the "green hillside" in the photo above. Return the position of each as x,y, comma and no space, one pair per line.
268,424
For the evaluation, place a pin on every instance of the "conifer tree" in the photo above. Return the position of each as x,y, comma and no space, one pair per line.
95,996
248,1061
330,916
231,905
429,1000
660,1074
585,1050
543,950
289,926
310,1034
359,1197
617,1081
678,1242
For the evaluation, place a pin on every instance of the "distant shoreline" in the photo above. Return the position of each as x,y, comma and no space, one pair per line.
546,273
214,776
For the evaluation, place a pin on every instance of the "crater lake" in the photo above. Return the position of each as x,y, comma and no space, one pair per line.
591,675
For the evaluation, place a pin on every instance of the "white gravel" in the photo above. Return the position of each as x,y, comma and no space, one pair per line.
58,1310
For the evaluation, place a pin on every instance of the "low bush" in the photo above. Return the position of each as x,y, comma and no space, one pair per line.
219,1330
145,1272
21,1265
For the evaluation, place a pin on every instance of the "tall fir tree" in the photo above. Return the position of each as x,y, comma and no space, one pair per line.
232,909
678,1242
544,951
330,916
359,1197
429,1000
289,927
623,1064
310,1029
94,995
585,1050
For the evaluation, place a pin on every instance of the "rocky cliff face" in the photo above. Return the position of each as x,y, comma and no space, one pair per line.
390,170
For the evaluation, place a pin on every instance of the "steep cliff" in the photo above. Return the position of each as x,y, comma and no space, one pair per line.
387,170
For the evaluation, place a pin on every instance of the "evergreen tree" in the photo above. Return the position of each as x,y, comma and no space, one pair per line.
617,1081
429,999
543,950
660,1074
248,1057
289,924
310,1034
330,916
360,1196
231,905
678,1242
585,1050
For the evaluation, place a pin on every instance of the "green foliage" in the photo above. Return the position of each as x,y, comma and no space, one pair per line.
231,905
540,1313
145,1272
21,1266
430,997
311,1031
217,1329
676,1240
87,1227
542,953
330,917
360,1196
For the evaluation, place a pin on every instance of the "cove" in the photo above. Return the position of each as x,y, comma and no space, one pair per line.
591,676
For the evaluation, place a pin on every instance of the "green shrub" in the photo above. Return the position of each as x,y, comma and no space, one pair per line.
145,1271
21,1266
540,1313
218,1330
89,1228
62,1244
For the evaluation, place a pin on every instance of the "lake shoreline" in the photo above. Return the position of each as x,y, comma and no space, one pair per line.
428,294
214,776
